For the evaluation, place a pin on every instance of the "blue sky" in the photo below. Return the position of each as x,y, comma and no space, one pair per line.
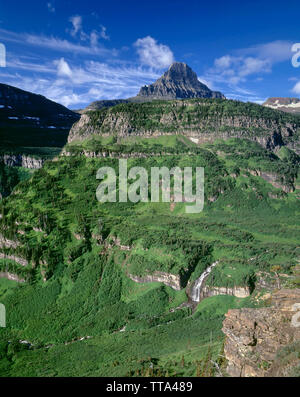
75,52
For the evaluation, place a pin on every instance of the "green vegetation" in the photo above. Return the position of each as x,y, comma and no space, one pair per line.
79,311
11,176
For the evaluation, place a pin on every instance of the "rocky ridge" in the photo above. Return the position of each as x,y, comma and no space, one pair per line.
200,120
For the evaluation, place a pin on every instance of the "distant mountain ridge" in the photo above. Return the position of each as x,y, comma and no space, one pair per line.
289,105
31,120
15,102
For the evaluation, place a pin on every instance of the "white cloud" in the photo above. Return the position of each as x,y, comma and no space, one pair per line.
153,54
258,59
55,44
232,70
63,68
103,33
208,83
76,86
223,62
76,21
31,66
65,45
296,88
274,51
93,37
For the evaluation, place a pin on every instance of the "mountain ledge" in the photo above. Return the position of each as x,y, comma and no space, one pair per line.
178,82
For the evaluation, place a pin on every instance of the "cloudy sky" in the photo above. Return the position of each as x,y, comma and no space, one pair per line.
75,52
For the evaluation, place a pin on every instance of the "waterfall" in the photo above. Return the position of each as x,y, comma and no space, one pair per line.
196,289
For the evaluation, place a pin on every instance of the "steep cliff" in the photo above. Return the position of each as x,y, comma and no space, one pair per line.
202,120
32,124
289,105
170,280
19,160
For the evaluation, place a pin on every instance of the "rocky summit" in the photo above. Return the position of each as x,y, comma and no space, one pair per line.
179,81
42,121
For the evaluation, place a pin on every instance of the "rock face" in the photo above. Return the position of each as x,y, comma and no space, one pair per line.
239,292
43,124
20,160
17,259
273,179
202,121
289,105
254,336
12,277
180,81
170,280
6,243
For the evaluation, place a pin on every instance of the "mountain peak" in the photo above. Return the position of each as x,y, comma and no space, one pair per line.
179,81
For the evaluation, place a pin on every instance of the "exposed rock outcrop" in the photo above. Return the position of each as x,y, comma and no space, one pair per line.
12,277
17,259
273,179
289,105
168,279
5,242
253,336
239,292
120,155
